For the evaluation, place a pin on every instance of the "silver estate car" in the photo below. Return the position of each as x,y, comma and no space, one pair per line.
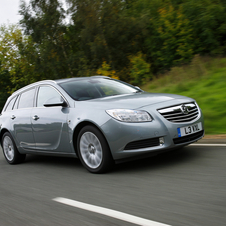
97,119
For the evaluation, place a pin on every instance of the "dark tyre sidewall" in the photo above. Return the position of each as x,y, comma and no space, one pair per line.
107,161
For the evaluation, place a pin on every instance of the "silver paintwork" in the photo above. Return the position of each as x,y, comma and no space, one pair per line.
54,130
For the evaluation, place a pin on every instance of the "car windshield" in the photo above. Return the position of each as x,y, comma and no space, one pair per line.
96,88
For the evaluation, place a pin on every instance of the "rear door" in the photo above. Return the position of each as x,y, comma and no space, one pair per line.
21,119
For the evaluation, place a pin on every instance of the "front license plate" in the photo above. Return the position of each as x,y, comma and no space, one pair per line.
187,130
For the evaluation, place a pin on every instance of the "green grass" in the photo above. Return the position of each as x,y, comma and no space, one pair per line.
205,81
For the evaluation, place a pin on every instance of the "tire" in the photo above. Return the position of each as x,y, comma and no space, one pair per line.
93,150
10,151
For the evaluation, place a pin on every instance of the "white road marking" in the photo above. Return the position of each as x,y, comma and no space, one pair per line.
210,145
109,212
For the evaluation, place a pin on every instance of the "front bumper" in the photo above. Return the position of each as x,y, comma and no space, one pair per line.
128,140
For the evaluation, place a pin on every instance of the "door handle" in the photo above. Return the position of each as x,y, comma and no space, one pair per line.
35,117
13,117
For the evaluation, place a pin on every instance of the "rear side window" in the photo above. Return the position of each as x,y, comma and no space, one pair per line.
10,105
27,99
16,103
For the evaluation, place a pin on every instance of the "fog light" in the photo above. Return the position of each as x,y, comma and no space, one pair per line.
161,141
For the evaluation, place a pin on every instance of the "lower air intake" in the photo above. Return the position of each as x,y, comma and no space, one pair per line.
147,143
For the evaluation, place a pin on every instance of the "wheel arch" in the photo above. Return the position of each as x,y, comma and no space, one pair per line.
2,133
78,129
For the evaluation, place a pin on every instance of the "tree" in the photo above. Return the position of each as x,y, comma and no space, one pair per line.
10,60
172,42
4,84
207,18
106,32
19,67
43,22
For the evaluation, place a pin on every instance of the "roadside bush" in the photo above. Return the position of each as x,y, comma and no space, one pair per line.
139,69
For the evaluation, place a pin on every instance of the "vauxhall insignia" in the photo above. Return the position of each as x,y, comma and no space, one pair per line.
184,109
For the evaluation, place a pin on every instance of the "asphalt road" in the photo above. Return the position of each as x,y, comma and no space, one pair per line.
186,188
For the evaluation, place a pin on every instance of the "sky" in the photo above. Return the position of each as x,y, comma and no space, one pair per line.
9,11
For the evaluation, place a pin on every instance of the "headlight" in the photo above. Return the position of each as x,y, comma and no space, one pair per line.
126,115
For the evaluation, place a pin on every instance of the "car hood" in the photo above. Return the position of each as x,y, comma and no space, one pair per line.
134,101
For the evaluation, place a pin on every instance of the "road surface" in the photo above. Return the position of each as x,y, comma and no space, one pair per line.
186,188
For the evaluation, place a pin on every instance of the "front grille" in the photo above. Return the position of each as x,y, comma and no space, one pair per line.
142,144
188,138
180,113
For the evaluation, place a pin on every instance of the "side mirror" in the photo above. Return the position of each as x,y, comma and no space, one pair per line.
54,102
137,87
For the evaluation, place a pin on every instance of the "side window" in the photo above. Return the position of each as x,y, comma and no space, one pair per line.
27,99
45,93
16,103
10,105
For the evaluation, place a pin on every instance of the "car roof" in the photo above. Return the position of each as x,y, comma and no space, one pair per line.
58,81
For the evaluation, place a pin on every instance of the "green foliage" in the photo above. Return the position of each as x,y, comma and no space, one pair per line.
176,33
168,33
172,43
139,69
9,58
18,66
134,38
207,18
4,84
43,22
106,32
105,70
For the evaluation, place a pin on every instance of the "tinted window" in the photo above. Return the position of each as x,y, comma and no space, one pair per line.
45,93
10,105
96,88
27,99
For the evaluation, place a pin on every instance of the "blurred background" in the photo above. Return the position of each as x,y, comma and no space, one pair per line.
175,46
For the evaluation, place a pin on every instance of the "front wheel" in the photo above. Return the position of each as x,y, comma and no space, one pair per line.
10,151
93,150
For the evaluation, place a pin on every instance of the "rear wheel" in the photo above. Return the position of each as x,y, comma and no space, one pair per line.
10,151
93,150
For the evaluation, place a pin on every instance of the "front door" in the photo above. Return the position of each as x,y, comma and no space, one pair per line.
49,124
